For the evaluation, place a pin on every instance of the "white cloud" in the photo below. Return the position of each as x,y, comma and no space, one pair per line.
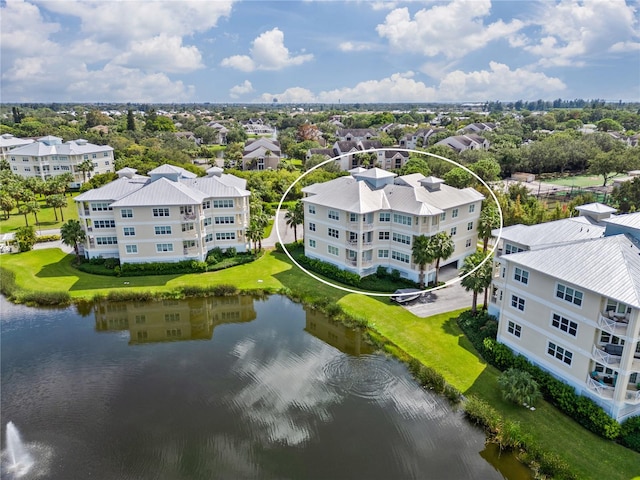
242,89
161,53
356,46
499,82
268,52
573,31
20,41
625,47
452,29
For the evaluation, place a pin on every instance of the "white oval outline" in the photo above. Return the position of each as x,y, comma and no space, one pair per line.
377,294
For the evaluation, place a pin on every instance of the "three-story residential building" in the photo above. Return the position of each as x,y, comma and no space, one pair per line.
370,218
573,309
170,216
49,156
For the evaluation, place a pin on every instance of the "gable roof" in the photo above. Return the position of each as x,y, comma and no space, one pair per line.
608,266
542,235
161,192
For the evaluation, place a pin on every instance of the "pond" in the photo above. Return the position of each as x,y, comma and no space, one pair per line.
224,387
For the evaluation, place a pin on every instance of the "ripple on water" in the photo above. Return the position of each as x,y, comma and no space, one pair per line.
365,376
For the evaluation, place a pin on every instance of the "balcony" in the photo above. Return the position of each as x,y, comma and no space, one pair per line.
600,355
363,263
613,324
601,389
365,227
189,216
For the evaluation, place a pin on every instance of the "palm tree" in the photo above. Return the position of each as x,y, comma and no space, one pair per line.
489,220
71,233
34,207
57,201
84,167
24,210
294,218
443,247
254,233
7,203
422,254
477,281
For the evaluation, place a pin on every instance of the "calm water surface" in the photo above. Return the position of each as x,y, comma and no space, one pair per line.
243,389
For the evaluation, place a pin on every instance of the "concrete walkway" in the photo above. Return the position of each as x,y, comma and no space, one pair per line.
286,232
38,246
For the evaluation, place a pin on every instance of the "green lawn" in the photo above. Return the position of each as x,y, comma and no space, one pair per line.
580,181
436,341
46,216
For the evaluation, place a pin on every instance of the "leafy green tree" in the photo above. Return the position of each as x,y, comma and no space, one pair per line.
459,178
72,234
479,280
605,164
416,164
423,255
443,247
609,125
627,196
131,121
26,238
487,169
519,387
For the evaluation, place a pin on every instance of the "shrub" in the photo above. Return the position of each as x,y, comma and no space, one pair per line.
630,433
519,387
47,238
230,252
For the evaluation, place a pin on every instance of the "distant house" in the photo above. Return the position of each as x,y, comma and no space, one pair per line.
356,134
261,154
479,127
221,130
257,127
188,136
460,143
49,156
169,216
419,138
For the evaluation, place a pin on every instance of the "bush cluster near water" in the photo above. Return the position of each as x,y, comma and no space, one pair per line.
481,330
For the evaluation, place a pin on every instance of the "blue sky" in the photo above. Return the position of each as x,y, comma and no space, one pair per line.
318,51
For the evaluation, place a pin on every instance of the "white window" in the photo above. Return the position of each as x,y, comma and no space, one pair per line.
187,227
93,155
353,217
385,217
402,219
404,239
334,215
160,212
129,231
100,207
468,243
383,253
312,227
517,302
312,243
225,236
312,209
401,257
207,221
443,216
472,208
559,353
333,250
454,231
521,276
105,154
206,204
95,164
569,294
104,224
332,232
434,220
126,213
188,243
226,203
508,248
106,240
383,235
514,329
163,230
224,220
454,213
164,247
131,248
208,238
469,226
564,324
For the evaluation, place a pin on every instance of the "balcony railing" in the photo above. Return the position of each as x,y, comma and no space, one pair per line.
632,396
602,390
603,357
616,326
363,263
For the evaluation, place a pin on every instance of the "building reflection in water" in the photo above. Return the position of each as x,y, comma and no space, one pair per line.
345,339
170,320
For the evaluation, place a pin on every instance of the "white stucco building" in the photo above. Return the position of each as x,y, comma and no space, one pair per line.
169,216
370,218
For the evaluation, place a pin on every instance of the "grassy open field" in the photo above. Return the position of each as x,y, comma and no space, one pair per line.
436,341
46,216
580,181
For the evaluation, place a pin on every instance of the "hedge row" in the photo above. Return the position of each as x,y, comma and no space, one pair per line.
481,330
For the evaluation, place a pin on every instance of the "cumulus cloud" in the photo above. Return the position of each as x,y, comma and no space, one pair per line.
242,89
268,52
497,82
356,46
161,53
573,31
20,41
452,29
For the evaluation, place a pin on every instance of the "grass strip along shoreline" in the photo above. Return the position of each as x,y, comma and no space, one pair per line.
48,277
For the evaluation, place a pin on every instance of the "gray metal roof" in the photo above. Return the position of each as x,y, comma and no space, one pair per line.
161,192
631,220
541,235
74,147
114,190
608,266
